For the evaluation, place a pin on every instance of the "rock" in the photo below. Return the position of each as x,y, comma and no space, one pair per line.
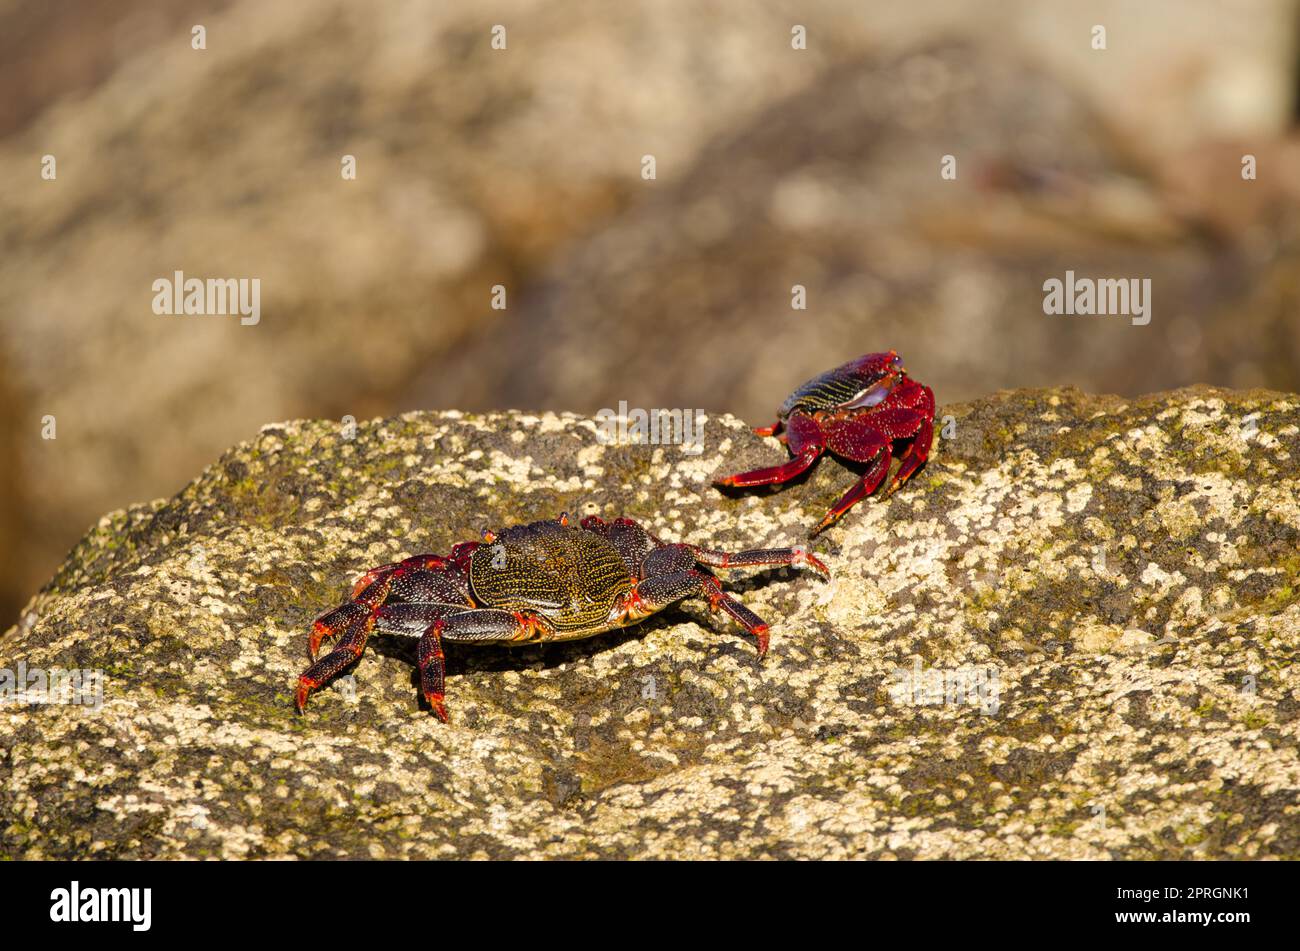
1073,635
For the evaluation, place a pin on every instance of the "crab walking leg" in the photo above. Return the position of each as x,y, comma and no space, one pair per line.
433,669
859,439
333,623
355,623
415,562
345,652
867,439
657,593
918,451
804,439
412,619
869,482
363,603
913,457
754,557
475,626
422,579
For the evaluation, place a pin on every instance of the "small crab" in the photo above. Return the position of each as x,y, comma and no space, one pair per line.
546,581
866,411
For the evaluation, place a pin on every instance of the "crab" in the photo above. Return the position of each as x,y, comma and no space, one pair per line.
867,410
544,581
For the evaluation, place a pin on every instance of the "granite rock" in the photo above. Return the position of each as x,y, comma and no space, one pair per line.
1072,635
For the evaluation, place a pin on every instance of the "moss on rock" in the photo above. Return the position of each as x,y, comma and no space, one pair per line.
1122,573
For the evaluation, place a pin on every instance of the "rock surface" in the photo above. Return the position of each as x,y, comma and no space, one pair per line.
1123,574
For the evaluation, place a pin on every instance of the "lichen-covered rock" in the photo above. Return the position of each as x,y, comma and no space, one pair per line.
1072,635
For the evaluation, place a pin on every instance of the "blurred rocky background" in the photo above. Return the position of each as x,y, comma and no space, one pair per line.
522,167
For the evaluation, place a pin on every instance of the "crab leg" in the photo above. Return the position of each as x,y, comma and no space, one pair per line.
410,580
782,473
433,669
415,562
364,602
333,623
918,450
754,557
804,438
869,482
657,593
913,457
348,649
478,626
868,439
412,619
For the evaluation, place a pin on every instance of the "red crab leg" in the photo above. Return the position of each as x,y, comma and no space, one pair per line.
424,579
868,438
433,669
865,438
918,451
742,615
346,652
476,626
869,482
767,430
804,437
913,457
424,562
330,624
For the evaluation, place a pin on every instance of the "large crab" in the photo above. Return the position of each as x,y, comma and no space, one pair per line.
867,410
546,581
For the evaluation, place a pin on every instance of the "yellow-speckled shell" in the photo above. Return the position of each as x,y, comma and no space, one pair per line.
572,578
